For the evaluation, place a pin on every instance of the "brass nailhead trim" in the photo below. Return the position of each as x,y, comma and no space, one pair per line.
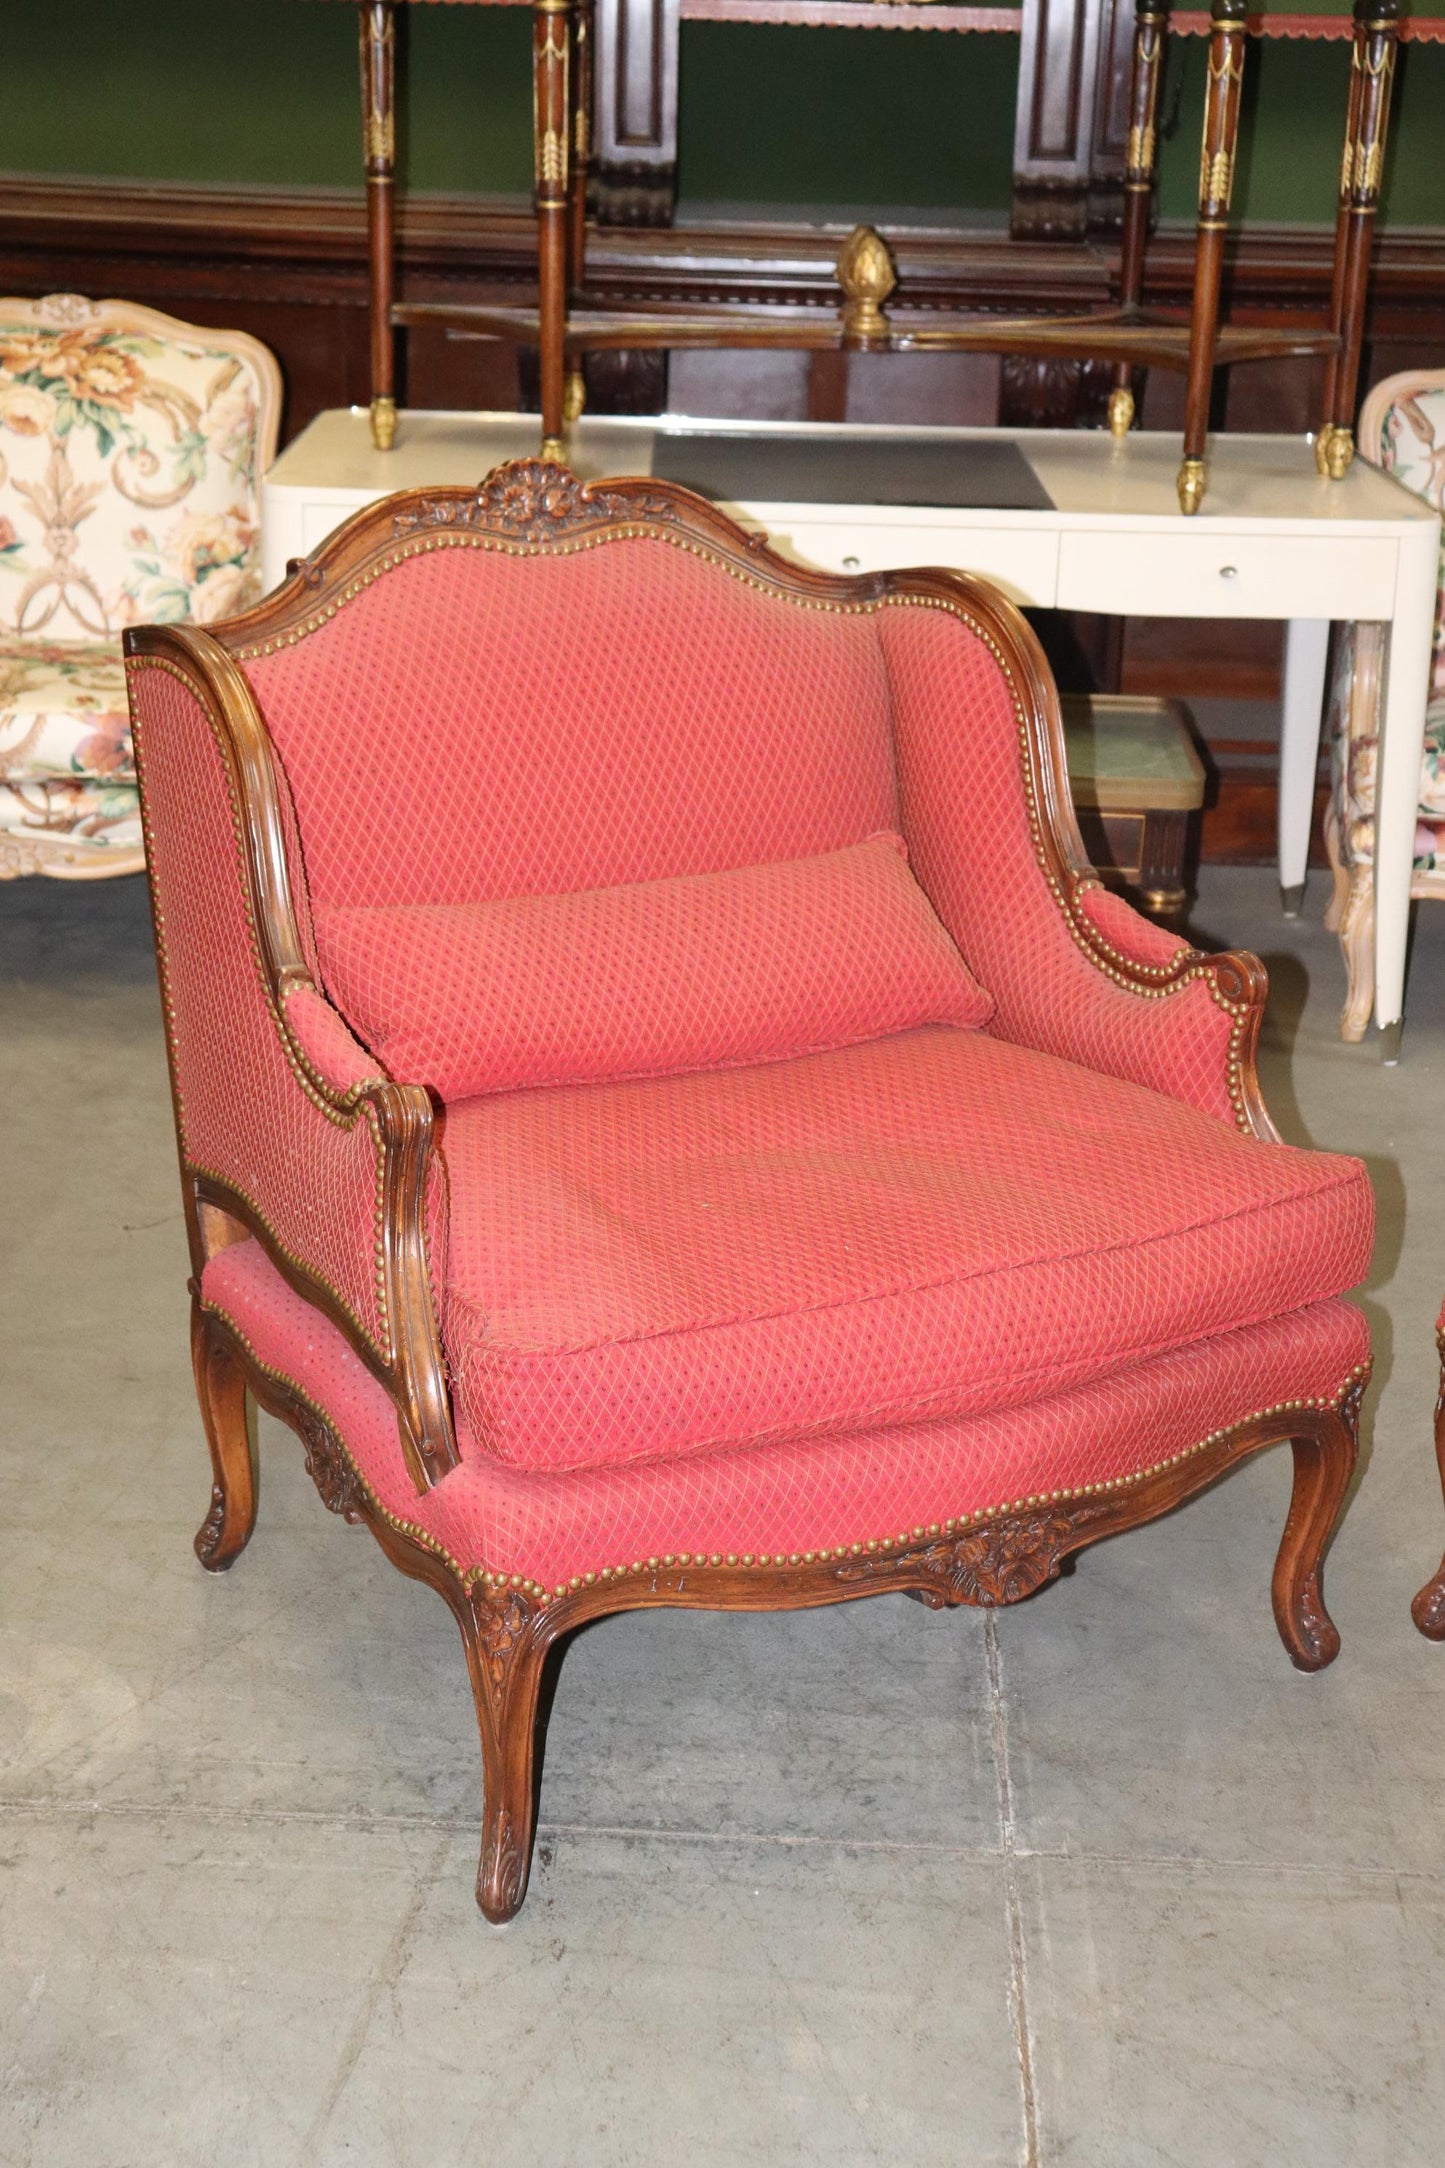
341,1109
1148,981
873,1547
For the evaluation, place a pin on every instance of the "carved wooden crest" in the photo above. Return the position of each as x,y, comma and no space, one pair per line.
535,500
999,1563
329,1468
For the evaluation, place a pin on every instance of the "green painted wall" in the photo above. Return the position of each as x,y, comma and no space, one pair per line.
265,91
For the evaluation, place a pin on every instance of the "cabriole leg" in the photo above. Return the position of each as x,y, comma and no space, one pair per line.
221,1390
1324,1461
506,1644
1428,1609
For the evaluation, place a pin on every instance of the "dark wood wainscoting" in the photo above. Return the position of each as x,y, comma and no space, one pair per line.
289,265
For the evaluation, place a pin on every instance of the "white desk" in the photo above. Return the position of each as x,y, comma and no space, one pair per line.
1274,540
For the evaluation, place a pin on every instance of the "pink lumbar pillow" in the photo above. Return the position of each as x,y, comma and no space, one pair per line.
698,972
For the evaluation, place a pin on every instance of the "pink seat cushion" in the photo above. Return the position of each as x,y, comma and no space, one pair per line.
924,1226
658,976
799,1496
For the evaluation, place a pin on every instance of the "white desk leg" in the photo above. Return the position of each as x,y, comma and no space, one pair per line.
1306,649
1397,792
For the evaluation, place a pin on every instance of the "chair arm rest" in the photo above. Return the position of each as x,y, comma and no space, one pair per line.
284,1123
325,1040
992,836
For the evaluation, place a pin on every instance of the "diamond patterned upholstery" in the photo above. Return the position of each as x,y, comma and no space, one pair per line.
868,1260
478,724
934,1223
694,972
790,1496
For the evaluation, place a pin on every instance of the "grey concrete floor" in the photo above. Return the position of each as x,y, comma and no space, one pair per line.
1097,1880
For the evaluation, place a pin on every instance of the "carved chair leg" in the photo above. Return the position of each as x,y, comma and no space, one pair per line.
1428,1609
1324,1461
221,1390
507,1642
1356,932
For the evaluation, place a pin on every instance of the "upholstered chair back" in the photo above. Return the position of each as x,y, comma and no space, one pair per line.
475,724
131,449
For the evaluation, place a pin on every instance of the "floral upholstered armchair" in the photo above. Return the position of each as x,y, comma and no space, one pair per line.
1402,429
131,449
669,1116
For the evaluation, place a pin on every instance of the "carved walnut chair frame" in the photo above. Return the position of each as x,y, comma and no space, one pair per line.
508,1626
1428,1609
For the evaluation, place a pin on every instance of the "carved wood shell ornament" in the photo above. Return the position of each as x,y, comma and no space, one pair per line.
535,500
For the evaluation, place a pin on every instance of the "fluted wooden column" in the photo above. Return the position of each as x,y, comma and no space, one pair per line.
551,63
1372,70
1227,32
583,42
377,20
1150,21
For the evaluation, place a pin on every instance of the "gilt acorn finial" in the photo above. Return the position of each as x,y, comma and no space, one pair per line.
867,275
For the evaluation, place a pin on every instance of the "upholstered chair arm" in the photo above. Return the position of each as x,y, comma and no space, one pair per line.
287,1127
993,838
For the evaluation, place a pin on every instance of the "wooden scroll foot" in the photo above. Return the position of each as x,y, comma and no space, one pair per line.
1121,412
1324,1461
1428,1609
383,423
1190,485
221,1390
507,1639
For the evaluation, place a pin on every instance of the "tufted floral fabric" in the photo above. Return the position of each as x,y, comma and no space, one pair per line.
790,1496
695,972
131,450
1403,431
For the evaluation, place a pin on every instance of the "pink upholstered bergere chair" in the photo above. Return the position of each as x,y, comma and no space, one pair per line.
666,1112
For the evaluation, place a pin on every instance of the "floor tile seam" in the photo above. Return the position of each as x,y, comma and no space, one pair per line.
1304,1870
1018,1997
466,1825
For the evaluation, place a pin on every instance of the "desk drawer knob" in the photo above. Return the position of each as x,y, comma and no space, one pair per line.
1229,572
850,564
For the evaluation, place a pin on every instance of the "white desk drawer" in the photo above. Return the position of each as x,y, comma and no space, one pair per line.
1023,562
1224,573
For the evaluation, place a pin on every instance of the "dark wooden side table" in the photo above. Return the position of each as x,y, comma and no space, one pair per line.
1137,781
